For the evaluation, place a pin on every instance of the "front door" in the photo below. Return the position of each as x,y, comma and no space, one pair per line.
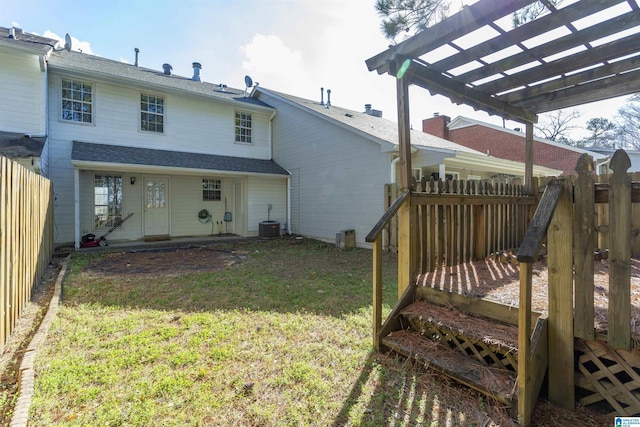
156,206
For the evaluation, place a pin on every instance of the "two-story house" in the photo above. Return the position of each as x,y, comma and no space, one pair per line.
174,156
23,86
185,157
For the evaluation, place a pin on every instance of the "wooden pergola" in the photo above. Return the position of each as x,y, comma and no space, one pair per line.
586,51
577,53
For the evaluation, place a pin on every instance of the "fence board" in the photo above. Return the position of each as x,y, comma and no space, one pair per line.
26,239
620,253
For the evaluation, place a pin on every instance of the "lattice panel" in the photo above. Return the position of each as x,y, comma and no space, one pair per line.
608,376
491,355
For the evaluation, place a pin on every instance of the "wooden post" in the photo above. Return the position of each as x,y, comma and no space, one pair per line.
585,235
377,291
620,252
524,343
560,265
406,214
528,156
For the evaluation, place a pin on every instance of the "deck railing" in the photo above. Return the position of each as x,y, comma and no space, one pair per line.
566,219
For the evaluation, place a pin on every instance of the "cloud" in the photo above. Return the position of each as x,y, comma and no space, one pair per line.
76,44
273,63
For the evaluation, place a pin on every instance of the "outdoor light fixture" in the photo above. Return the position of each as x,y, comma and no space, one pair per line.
133,180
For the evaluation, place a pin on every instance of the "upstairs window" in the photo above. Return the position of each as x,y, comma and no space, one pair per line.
243,128
107,201
151,113
77,101
211,189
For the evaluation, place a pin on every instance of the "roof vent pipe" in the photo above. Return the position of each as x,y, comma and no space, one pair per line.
196,72
328,98
12,33
137,51
367,108
167,69
322,96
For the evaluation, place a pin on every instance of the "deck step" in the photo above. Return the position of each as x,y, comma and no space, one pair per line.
496,382
490,342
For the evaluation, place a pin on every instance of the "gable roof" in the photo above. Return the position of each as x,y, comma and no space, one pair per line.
97,66
26,41
460,122
377,129
84,153
385,132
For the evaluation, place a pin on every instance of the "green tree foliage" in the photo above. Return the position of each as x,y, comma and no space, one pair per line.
603,133
410,16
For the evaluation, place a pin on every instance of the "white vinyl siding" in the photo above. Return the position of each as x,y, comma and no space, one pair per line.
23,94
340,177
197,125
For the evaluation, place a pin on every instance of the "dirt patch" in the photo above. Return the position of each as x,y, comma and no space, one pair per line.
165,261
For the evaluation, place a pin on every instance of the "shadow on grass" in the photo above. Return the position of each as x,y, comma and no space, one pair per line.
393,391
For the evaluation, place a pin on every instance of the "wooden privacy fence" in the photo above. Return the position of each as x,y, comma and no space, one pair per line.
26,239
566,220
461,221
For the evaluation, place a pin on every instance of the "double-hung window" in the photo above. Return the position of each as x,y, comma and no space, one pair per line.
77,101
151,113
107,200
243,127
211,189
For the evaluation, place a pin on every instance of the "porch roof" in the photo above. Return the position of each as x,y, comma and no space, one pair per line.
576,53
87,154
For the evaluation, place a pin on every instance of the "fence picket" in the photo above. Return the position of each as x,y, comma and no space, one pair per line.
26,239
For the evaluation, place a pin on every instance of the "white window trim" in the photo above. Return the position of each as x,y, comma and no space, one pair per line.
164,114
250,114
93,102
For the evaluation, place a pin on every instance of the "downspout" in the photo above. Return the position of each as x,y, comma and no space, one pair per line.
289,204
76,206
271,134
394,164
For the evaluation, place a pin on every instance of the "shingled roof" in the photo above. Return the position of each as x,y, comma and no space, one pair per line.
26,41
115,70
121,155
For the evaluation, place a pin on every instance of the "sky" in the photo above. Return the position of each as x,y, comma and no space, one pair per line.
292,46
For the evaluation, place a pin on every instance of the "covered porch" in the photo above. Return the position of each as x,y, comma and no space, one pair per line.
156,194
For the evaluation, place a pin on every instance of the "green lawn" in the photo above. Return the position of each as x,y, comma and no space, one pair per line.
282,338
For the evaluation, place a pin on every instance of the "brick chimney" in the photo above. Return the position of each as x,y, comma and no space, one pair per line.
437,126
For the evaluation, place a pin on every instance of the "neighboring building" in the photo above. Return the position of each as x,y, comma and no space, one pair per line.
505,143
23,90
340,159
603,164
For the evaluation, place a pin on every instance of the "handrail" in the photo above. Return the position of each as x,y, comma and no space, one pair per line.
538,229
386,217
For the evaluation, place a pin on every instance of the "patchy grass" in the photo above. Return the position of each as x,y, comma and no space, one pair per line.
280,339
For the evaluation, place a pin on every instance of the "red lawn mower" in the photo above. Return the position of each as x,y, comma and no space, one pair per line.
90,241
